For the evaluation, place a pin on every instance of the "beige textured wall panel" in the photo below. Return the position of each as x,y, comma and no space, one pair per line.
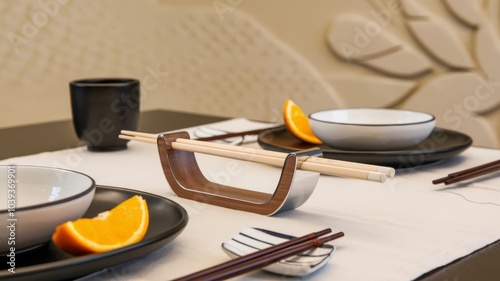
46,44
372,91
188,59
245,57
237,67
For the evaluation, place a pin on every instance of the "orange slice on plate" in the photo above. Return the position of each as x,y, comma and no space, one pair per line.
125,224
297,123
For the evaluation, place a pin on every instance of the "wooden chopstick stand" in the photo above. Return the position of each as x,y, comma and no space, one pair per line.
314,164
186,180
261,258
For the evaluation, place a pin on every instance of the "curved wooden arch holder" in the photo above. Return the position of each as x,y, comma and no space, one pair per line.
186,180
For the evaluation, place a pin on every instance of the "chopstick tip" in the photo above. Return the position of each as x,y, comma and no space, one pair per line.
390,172
332,237
440,180
376,176
322,232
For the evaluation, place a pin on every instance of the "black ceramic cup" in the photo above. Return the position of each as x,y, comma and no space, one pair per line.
101,108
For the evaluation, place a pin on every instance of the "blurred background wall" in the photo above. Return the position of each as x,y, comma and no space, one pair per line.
245,57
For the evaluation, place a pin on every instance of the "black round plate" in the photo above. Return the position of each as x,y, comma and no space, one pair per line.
441,144
167,219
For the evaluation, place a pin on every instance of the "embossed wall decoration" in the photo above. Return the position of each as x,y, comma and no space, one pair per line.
462,94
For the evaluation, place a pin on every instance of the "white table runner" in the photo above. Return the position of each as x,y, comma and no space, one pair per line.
397,230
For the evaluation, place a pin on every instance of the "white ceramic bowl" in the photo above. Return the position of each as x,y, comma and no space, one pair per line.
34,200
371,128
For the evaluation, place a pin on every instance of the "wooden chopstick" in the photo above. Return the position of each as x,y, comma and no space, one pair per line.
260,156
257,254
245,154
245,264
469,173
388,171
237,134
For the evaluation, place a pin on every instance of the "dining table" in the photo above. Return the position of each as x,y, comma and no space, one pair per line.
405,228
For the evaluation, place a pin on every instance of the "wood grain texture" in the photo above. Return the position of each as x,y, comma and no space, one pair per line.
187,180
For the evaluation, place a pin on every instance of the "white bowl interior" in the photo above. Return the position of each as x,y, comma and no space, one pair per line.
371,116
41,185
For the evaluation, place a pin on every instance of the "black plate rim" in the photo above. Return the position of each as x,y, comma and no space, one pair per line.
77,266
385,156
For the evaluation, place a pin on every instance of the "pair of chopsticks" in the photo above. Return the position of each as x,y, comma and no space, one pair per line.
263,257
237,134
313,164
469,173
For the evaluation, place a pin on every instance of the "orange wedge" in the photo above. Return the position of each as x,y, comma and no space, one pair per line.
297,123
125,224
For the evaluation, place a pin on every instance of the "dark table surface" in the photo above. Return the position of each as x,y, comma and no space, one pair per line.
484,264
51,136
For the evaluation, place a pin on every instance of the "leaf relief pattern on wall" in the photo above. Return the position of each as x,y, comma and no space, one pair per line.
436,69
